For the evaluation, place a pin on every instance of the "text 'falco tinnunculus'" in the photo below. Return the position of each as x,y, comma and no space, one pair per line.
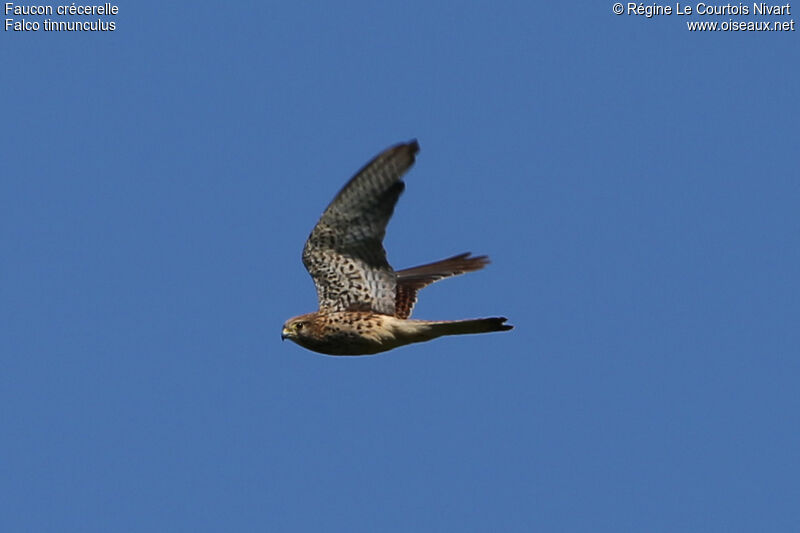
364,304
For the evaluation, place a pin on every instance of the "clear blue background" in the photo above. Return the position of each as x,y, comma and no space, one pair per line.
635,184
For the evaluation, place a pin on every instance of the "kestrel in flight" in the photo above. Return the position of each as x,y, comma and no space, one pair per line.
364,304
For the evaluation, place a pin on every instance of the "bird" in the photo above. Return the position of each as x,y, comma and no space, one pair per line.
365,305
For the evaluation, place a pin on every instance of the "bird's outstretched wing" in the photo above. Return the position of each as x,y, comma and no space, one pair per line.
411,280
344,253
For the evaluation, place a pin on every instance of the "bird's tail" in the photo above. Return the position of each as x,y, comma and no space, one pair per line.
466,327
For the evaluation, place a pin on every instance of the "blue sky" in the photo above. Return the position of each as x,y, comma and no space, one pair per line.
635,184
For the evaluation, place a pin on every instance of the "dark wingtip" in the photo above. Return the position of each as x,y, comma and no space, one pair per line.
481,260
473,262
408,149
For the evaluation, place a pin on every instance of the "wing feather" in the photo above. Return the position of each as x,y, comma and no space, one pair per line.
344,253
411,280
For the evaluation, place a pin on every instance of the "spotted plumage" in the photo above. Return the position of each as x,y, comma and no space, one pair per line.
364,304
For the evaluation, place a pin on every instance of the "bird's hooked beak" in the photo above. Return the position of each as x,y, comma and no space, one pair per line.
284,334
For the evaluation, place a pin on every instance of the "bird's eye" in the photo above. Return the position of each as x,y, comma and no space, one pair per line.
299,326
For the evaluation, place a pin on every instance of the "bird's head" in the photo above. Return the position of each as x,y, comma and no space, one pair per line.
298,328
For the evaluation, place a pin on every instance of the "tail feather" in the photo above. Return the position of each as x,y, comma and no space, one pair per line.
466,327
